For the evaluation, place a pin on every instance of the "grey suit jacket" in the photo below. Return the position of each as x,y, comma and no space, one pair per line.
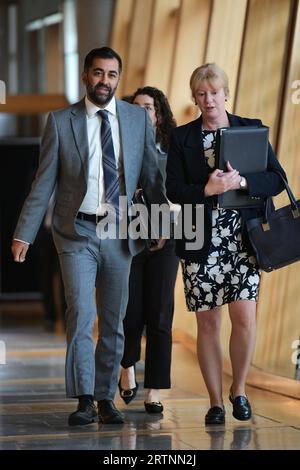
64,161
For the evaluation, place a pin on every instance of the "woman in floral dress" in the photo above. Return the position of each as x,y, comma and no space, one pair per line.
224,270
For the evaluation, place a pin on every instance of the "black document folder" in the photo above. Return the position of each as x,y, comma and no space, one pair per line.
246,148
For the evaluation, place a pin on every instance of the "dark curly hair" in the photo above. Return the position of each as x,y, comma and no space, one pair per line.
165,119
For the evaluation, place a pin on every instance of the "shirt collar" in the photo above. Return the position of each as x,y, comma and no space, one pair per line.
92,109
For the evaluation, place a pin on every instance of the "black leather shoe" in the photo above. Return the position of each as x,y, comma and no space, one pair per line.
215,415
108,413
128,395
86,413
154,407
241,407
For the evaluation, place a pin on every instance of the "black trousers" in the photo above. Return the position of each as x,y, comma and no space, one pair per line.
151,304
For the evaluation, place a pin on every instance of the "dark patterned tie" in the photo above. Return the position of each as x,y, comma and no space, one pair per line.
110,171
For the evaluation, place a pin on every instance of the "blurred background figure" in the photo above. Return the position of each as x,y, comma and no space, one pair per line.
151,284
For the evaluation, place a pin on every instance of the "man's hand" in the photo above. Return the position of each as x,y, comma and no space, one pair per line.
160,245
19,250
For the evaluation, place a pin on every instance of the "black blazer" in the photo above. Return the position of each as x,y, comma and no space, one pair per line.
187,175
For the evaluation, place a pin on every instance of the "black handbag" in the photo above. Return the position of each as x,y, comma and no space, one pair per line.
275,237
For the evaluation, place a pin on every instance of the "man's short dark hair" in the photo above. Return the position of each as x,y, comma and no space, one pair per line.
101,53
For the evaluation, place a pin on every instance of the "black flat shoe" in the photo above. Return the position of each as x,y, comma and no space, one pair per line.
86,413
154,407
108,413
128,395
241,408
215,415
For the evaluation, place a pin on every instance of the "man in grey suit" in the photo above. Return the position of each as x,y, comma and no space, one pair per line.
97,143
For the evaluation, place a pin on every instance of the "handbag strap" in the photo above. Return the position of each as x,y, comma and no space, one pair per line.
288,190
293,201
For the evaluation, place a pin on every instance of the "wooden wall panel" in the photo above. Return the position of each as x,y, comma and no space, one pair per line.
161,48
271,331
225,39
138,45
289,141
189,54
279,309
259,87
120,34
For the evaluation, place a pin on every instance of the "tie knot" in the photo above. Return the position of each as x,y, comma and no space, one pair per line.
103,113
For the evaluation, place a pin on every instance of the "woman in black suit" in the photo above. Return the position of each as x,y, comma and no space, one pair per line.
151,285
224,270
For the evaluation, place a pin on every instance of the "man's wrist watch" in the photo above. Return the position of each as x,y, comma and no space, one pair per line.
243,183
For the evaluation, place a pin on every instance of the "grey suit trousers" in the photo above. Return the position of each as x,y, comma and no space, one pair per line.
104,264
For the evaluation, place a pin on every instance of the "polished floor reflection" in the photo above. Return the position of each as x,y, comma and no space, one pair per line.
34,410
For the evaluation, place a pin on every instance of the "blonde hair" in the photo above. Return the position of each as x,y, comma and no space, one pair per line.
211,73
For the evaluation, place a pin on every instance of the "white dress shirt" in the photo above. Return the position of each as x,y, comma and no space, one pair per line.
95,195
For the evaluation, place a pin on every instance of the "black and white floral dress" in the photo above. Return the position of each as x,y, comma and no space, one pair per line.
229,274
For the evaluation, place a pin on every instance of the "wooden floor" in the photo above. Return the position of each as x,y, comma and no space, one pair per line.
34,410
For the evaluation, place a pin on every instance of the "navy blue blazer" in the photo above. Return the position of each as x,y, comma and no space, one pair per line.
187,175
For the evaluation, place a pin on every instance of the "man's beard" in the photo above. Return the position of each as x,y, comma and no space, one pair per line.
100,99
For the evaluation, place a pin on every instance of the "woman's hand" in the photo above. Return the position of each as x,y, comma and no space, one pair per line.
219,181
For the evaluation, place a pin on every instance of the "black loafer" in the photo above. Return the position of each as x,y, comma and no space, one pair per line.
86,413
154,407
108,413
215,415
128,395
241,407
